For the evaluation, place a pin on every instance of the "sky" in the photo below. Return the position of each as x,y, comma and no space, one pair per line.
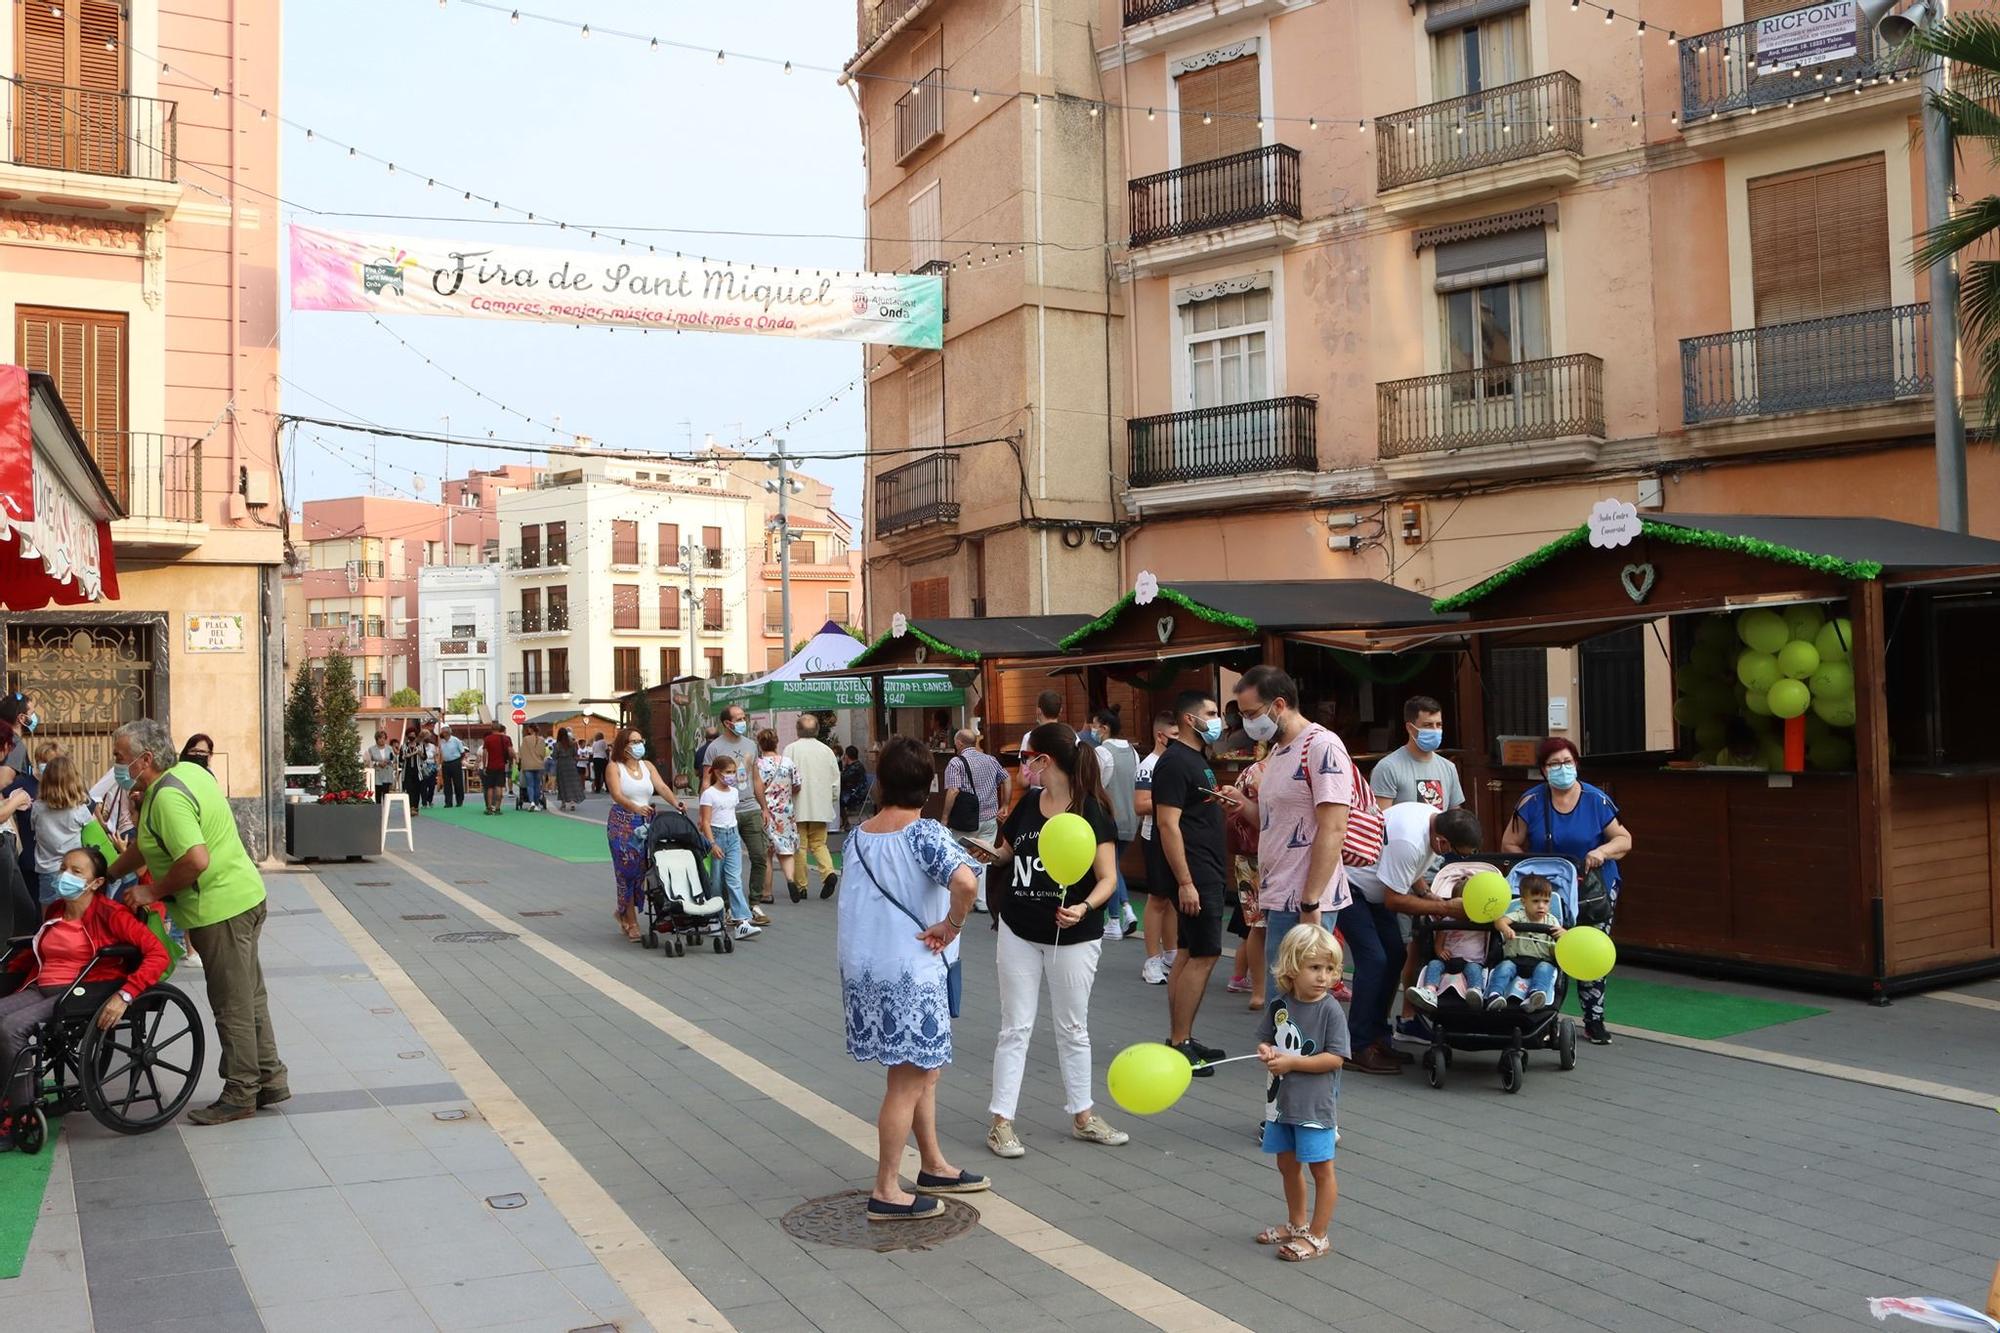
600,131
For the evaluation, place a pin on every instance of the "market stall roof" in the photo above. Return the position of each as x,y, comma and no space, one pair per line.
55,508
1235,613
816,679
964,641
549,719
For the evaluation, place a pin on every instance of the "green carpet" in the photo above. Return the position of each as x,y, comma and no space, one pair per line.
1683,1011
552,835
23,1180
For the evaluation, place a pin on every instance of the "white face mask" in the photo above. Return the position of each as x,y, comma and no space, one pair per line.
1261,728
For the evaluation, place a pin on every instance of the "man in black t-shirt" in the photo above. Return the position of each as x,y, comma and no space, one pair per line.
1187,820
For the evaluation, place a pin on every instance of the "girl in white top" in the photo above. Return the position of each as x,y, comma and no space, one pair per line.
718,824
60,815
634,783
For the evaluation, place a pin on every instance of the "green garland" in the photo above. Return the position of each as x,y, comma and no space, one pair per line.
1666,532
1182,600
937,645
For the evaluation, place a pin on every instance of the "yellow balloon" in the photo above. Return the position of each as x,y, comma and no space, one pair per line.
1486,896
1067,847
1148,1078
1586,953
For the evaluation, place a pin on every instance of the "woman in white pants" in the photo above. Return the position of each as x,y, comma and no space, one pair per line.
1050,932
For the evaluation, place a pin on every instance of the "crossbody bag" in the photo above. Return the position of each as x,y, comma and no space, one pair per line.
954,975
1593,897
963,817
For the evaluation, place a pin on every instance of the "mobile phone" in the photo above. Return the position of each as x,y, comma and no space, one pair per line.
1223,797
985,850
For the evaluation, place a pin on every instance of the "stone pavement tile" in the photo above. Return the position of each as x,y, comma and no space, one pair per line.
46,1311
118,1302
114,1229
530,1299
382,1312
174,1181
394,1164
53,1265
195,1252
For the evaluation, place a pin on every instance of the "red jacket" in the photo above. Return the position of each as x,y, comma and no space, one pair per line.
105,923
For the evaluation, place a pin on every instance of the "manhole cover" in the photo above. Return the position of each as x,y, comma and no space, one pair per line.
842,1219
476,937
423,916
550,912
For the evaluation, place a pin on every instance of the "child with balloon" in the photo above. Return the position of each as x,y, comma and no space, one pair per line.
1528,973
1303,1043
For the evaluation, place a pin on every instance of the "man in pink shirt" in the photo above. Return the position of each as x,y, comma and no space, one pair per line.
1300,806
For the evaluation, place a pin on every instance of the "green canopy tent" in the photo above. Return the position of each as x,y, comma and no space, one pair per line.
787,688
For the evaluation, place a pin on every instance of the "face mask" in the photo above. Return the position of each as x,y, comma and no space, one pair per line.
69,886
122,775
738,728
1429,738
31,721
1211,730
1562,776
638,750
729,781
1260,728
201,759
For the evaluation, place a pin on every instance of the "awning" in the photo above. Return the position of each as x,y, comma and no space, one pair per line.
814,680
964,641
1219,615
55,509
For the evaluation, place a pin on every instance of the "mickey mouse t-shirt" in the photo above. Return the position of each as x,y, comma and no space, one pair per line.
1028,903
1296,1028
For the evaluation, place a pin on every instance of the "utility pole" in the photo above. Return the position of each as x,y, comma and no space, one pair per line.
783,486
443,494
688,557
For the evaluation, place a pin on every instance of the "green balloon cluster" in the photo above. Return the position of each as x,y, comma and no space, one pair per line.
1746,674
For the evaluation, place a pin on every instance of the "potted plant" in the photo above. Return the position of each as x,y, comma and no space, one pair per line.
345,823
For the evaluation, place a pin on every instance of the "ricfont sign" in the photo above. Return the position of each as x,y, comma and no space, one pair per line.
1809,36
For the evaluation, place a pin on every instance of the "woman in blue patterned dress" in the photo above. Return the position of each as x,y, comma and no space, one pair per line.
908,892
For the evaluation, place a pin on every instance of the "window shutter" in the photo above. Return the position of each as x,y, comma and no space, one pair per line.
1517,691
1231,95
1819,241
670,607
101,125
924,407
84,352
1758,9
930,599
44,60
711,608
926,218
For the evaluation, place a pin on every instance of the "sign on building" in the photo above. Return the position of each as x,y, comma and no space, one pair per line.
214,632
1809,36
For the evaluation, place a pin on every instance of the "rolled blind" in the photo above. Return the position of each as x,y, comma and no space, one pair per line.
930,599
84,352
1819,241
1230,96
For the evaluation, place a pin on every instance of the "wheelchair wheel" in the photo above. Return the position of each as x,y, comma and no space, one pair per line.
31,1131
138,1075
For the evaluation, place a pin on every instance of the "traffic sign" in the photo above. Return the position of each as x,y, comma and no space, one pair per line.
520,716
519,701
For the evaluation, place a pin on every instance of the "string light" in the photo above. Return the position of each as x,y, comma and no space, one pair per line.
515,18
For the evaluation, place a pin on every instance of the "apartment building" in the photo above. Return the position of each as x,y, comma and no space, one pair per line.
138,262
460,634
994,481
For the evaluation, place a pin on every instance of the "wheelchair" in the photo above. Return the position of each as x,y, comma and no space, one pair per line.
132,1078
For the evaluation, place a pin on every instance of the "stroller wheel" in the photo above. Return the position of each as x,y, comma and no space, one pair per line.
1434,1065
1566,1043
651,940
1511,1070
717,942
728,944
679,948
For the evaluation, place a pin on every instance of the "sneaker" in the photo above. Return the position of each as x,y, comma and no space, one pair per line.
1131,921
746,930
1094,1130
1426,999
828,884
757,917
1475,998
1209,1053
1538,1001
1594,1029
1154,972
1414,1029
1239,985
1113,931
220,1113
1002,1140
1498,1001
1196,1058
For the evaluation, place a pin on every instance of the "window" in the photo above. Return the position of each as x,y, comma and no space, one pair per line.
1819,241
712,663
72,122
464,629
670,606
926,215
531,546
1493,314
669,552
670,664
711,608
1517,691
930,599
1226,339
774,610
923,408
625,669
1611,670
836,606
773,658
531,672
531,610
558,544
1228,95
558,671
711,548
1472,57
624,541
624,606
558,607
84,352
804,553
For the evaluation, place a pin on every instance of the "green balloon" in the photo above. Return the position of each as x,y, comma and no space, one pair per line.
1715,697
1789,698
1833,680
1688,713
1715,632
1710,659
1816,728
1757,670
1763,630
1830,753
1711,734
1803,621
1835,712
1761,724
1834,639
1798,659
1757,703
1723,759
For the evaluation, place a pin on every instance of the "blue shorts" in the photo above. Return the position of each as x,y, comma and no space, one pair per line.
1306,1142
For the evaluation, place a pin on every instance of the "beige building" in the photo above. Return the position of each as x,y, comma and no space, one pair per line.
138,262
1406,287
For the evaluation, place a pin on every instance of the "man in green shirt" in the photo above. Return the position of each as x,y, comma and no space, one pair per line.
186,839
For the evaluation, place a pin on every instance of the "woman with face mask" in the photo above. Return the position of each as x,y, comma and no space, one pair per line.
1566,816
634,783
76,925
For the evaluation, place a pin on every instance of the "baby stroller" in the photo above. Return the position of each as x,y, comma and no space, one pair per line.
1511,1031
679,903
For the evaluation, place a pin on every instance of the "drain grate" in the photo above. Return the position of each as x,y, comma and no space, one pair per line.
423,916
550,912
476,937
371,883
842,1220
468,881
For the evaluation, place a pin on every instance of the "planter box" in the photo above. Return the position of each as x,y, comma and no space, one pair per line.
315,832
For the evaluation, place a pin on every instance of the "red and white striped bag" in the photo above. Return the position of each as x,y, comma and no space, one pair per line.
1366,832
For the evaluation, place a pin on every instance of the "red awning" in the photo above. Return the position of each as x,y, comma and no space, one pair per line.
55,510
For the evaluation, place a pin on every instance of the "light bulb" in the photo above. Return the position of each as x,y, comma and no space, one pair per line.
975,91
1207,119
1642,28
1609,15
515,18
585,34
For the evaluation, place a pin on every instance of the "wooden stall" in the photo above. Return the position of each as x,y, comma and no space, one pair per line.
1870,866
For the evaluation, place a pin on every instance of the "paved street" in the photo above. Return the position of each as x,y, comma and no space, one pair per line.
696,1100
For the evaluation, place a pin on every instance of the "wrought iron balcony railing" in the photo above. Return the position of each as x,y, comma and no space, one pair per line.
1243,187
159,476
1483,129
1856,360
920,114
533,683
554,620
1241,440
917,494
93,131
1719,72
1555,398
939,269
1140,11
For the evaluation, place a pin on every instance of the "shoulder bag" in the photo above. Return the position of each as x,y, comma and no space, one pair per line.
963,817
1593,899
954,975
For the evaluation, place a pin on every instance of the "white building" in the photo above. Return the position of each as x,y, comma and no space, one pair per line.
621,574
461,634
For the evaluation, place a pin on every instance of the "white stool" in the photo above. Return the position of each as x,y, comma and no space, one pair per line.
397,802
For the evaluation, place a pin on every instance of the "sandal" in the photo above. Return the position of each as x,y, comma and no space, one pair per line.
1304,1246
1278,1234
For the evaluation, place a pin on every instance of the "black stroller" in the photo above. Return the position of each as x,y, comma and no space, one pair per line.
680,906
1511,1031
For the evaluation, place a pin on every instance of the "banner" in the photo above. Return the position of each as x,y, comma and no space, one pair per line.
812,696
415,275
1810,36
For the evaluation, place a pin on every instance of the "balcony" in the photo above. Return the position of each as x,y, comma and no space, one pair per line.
160,488
817,571
876,17
917,495
530,624
1491,142
1153,25
518,561
69,148
1528,418
920,115
1245,203
1723,94
538,685
627,555
1873,367
1275,441
648,620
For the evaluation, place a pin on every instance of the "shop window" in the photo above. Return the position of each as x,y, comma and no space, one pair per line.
1517,692
1940,709
1612,691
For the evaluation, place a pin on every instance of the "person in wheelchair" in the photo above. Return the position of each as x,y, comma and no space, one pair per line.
78,924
